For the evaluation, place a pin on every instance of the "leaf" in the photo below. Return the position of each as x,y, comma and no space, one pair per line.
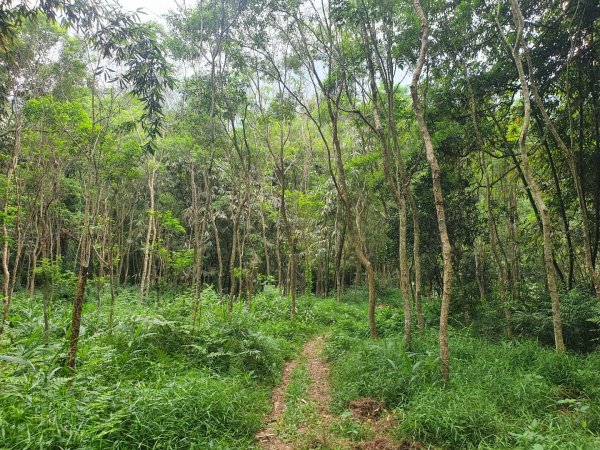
17,360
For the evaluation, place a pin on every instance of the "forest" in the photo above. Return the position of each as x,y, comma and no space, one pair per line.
300,224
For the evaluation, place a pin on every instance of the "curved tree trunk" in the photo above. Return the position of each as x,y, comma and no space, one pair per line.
531,181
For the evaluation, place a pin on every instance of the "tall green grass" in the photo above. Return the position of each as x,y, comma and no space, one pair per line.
154,380
502,395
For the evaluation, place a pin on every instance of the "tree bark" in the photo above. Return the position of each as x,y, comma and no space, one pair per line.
438,197
535,190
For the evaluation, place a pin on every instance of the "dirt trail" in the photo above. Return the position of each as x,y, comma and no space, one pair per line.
366,411
319,393
319,375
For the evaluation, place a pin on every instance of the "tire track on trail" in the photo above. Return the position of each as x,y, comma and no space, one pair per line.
316,430
319,392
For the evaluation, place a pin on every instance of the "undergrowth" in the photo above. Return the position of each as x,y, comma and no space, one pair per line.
157,381
502,395
154,380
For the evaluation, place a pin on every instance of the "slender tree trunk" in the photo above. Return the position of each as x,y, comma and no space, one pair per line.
34,256
280,280
233,254
111,268
147,264
6,294
46,292
563,215
513,276
479,261
353,225
417,260
265,243
198,250
84,261
339,274
541,205
437,194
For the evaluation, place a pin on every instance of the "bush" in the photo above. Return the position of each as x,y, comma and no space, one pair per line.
533,318
378,369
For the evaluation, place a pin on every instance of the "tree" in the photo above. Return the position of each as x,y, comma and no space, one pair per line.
437,193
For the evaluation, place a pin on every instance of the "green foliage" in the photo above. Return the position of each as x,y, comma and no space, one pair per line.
381,370
170,222
153,380
533,317
501,395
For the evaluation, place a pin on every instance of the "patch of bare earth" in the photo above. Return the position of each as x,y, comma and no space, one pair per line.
319,394
365,410
381,422
319,375
267,437
316,435
383,443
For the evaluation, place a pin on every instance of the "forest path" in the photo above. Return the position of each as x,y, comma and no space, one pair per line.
311,357
301,417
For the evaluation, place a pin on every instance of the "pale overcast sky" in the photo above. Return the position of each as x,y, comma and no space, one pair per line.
153,8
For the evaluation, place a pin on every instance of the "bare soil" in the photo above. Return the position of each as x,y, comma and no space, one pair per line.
267,437
366,410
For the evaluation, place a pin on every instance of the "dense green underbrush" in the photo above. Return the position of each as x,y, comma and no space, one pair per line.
507,394
153,380
156,380
531,317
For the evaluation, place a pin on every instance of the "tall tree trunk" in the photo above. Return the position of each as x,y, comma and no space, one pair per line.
340,238
513,274
234,249
535,190
216,235
84,262
198,249
111,268
352,223
6,294
437,194
150,232
265,243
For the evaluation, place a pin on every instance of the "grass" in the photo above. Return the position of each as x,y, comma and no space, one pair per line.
507,395
300,410
156,382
